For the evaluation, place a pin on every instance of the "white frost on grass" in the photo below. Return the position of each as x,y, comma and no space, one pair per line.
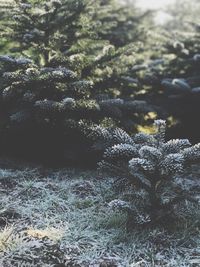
57,224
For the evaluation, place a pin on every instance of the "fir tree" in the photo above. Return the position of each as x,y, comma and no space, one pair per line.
96,39
37,102
152,170
173,83
69,72
181,84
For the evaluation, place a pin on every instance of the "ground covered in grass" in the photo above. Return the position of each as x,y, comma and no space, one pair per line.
62,218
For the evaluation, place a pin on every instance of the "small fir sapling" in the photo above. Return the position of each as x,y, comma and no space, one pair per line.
152,171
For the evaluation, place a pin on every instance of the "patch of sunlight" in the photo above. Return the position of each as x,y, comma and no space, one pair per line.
108,122
154,4
52,233
5,236
9,239
146,129
171,121
151,116
161,17
141,92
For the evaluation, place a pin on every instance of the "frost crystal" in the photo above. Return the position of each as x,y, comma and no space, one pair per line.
120,151
150,153
137,164
118,204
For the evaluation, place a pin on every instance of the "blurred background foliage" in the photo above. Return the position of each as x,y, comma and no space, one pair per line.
131,63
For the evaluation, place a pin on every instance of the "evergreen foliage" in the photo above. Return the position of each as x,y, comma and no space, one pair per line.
87,64
51,104
172,81
180,15
68,71
182,84
152,170
96,39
